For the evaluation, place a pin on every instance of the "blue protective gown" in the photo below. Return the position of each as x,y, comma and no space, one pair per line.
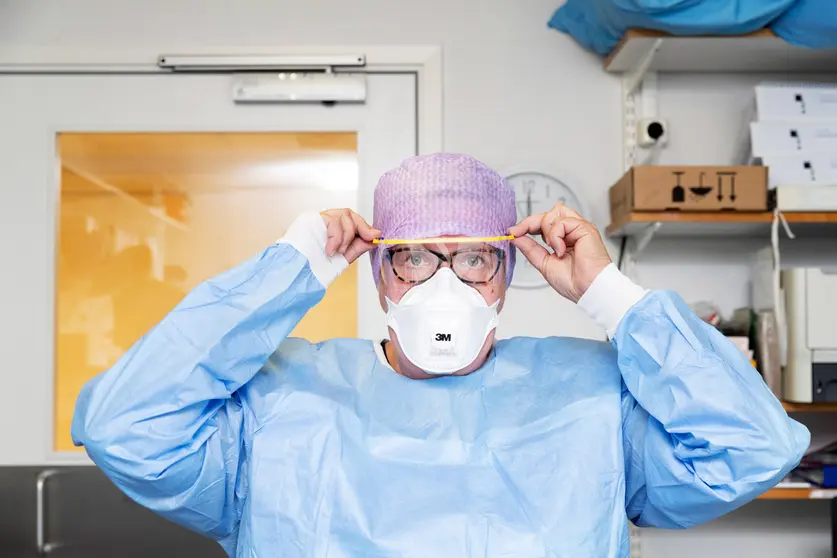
320,450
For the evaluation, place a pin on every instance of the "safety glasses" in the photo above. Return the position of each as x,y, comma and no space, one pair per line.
474,265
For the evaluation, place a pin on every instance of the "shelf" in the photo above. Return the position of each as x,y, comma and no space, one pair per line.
799,494
756,224
809,407
759,52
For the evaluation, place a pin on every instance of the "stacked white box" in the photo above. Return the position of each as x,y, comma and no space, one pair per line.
806,102
795,135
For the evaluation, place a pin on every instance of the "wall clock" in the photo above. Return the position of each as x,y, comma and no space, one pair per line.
535,193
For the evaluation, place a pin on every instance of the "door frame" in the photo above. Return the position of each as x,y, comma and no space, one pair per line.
425,61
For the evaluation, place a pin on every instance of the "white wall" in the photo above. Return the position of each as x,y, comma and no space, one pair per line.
513,96
518,96
763,529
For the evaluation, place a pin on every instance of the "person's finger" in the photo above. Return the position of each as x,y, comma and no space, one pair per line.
558,211
364,229
547,226
529,225
348,232
566,231
532,251
565,211
558,245
357,248
334,233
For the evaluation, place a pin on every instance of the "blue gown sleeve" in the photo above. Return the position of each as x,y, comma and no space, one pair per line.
165,423
702,433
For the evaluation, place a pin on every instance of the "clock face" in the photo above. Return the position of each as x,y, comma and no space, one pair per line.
537,193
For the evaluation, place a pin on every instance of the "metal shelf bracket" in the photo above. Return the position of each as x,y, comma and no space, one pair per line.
634,79
643,238
637,243
639,83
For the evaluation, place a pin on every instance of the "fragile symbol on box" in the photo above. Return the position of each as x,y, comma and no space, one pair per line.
701,190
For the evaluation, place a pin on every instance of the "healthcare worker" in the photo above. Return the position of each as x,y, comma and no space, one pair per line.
440,441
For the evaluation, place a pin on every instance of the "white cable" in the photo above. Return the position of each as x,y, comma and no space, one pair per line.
653,154
778,299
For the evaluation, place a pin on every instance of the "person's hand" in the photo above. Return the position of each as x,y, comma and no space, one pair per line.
348,233
578,256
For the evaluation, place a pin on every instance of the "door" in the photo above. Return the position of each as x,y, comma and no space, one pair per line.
118,193
18,511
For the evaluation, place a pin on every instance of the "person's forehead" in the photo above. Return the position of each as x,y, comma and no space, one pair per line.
451,247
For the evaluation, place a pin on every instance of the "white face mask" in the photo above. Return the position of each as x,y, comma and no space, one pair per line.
442,323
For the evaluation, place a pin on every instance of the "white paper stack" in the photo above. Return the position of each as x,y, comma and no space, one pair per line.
795,135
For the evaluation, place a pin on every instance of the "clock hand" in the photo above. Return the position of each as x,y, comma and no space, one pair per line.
529,204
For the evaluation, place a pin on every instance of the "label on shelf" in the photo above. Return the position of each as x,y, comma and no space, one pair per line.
823,494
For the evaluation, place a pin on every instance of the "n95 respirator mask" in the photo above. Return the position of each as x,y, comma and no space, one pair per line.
442,323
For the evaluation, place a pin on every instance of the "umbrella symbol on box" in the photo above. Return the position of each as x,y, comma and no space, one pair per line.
701,190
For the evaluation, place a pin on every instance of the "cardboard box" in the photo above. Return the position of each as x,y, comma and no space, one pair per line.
789,101
689,188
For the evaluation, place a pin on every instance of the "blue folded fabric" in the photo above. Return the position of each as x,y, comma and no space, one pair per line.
598,25
809,23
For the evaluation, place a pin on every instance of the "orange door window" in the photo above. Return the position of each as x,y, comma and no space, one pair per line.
145,217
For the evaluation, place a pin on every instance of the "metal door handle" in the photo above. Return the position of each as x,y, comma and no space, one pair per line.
40,524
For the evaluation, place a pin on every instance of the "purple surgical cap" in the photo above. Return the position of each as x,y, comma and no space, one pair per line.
443,194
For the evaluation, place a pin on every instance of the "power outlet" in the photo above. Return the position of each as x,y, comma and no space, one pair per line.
651,132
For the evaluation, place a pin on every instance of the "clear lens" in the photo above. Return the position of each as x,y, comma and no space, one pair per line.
475,264
413,264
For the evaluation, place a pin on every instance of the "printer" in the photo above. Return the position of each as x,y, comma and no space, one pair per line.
810,375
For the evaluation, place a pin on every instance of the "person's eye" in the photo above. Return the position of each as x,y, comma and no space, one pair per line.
475,260
417,259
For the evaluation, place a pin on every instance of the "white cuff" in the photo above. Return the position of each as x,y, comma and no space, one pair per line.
308,234
609,298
